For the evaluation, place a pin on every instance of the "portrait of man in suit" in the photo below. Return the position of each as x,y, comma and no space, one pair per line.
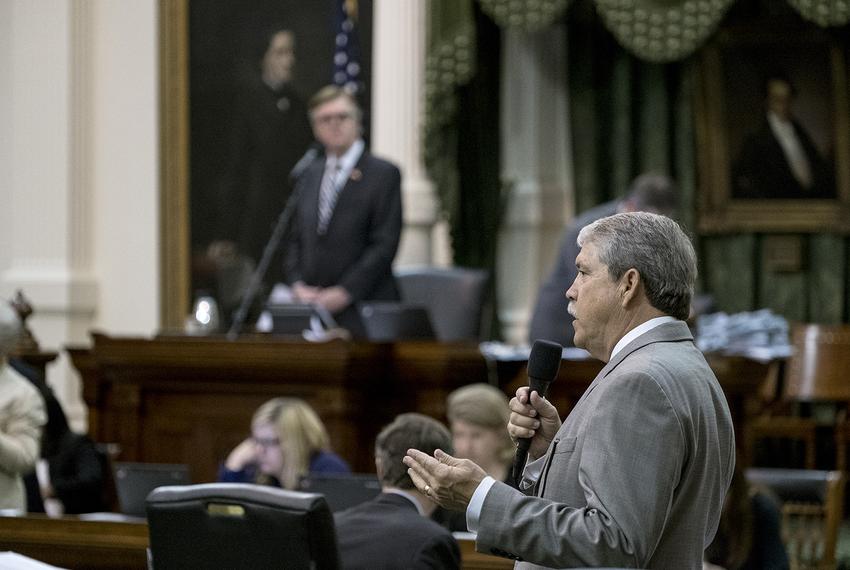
780,160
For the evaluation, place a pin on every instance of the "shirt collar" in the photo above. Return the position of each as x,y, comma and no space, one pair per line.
408,496
349,158
639,330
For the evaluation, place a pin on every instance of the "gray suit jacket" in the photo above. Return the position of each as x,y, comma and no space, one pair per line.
637,474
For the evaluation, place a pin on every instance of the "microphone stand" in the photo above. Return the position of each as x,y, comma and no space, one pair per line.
256,280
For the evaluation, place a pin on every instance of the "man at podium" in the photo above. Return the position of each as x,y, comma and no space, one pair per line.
348,220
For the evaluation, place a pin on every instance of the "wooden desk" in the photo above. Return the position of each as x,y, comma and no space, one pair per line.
190,399
472,560
70,542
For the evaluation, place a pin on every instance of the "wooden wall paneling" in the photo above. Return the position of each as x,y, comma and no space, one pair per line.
827,281
783,292
196,396
727,267
124,423
425,373
92,386
846,316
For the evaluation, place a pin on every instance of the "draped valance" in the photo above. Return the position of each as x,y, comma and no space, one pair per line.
654,30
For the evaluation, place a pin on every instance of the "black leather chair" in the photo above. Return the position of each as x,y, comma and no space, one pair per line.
454,297
239,526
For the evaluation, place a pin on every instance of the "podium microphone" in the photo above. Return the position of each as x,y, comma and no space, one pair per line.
313,152
543,364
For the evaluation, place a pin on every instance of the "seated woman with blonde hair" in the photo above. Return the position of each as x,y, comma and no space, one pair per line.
288,441
478,418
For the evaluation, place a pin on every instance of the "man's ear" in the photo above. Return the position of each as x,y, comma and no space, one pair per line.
630,283
379,467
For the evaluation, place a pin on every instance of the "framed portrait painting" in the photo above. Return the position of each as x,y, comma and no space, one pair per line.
773,137
236,78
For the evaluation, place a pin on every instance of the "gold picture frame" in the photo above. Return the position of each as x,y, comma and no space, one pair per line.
174,162
730,107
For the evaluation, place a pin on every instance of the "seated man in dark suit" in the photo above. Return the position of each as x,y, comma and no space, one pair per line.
393,530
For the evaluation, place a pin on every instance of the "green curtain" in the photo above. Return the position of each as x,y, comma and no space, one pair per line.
479,213
627,116
448,65
461,133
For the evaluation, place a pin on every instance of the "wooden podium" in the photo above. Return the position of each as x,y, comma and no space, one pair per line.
190,399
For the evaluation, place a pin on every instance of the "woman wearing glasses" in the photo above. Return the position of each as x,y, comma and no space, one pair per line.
288,441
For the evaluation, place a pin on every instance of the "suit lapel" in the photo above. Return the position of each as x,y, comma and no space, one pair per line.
668,332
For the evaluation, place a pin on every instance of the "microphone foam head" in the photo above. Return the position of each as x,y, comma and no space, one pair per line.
545,360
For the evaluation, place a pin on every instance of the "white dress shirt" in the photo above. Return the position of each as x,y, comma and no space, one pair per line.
793,149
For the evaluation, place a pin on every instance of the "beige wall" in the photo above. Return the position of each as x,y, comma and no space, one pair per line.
80,170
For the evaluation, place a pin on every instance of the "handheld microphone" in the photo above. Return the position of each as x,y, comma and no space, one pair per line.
313,152
543,364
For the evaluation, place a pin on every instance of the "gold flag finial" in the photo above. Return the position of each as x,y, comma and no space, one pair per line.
350,7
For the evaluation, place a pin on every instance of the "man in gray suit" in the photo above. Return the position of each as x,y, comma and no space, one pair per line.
637,474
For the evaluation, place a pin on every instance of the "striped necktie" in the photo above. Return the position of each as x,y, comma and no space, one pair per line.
328,194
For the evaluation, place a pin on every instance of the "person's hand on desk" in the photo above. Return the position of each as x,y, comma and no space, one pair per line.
242,455
532,416
305,293
334,299
446,480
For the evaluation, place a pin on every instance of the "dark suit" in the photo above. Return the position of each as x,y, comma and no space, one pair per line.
361,240
550,319
762,170
389,533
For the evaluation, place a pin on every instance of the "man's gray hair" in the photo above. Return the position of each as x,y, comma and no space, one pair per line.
10,328
408,431
656,247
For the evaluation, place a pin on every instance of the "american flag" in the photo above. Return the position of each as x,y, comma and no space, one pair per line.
346,47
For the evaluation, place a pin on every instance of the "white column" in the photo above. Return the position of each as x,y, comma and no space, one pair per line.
536,157
50,197
125,171
82,172
397,111
6,143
